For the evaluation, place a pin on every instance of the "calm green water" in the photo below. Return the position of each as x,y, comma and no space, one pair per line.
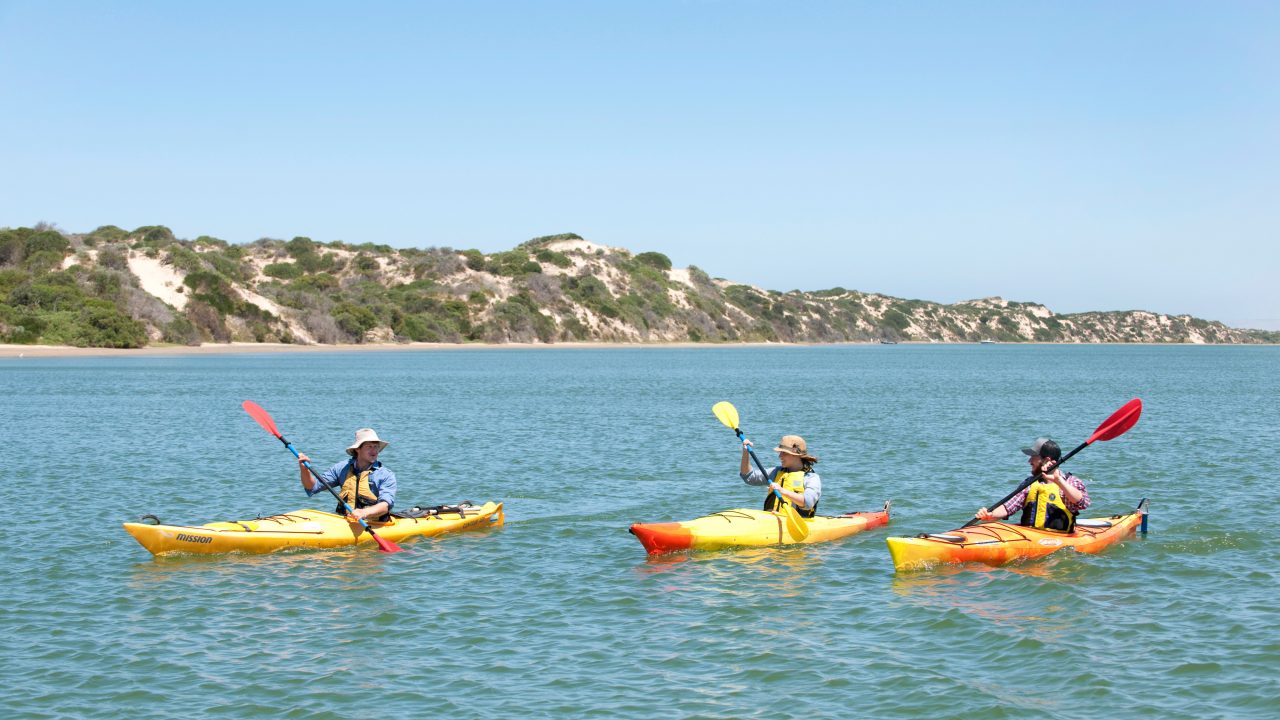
559,614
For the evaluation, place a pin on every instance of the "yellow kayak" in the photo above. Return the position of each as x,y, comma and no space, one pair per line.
306,529
750,528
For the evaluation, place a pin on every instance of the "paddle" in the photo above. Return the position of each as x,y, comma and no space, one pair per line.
264,419
728,415
1110,429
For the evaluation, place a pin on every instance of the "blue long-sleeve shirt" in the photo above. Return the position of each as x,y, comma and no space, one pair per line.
382,482
812,483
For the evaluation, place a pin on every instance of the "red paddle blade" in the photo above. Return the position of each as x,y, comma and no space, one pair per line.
386,545
1119,423
264,419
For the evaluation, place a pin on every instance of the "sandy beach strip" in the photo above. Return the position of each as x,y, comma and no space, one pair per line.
242,348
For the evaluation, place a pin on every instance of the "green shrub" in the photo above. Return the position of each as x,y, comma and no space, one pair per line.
104,325
11,278
284,271
153,236
513,263
229,265
547,239
107,234
213,242
655,260
300,246
106,284
558,259
20,326
213,289
43,261
207,321
475,259
308,256
44,295
587,288
895,319
47,241
184,259
111,256
355,320
181,331
519,317
13,246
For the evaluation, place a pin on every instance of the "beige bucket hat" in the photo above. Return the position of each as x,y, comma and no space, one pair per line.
795,445
364,435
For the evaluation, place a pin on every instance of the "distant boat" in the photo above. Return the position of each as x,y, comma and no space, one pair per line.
987,342
888,342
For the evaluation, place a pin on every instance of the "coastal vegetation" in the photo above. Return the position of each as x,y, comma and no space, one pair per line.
129,288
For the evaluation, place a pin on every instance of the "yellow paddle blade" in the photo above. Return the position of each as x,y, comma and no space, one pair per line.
796,525
727,414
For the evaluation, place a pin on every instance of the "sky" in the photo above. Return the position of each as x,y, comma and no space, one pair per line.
1084,155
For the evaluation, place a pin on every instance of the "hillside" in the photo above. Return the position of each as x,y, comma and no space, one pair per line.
117,288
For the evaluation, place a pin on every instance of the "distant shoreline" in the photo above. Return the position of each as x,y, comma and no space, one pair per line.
243,348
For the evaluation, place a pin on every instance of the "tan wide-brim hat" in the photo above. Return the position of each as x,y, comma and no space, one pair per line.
795,445
364,435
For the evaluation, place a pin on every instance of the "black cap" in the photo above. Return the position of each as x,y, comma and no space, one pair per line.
1045,448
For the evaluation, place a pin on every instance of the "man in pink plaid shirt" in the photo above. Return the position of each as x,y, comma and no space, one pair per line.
1043,456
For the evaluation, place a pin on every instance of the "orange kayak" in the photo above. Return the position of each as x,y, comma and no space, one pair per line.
749,528
996,543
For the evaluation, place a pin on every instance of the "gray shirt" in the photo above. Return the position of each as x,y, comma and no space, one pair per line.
812,483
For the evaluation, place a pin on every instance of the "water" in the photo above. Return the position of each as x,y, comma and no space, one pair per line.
559,614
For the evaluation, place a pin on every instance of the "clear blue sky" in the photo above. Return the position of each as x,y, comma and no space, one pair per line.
1087,155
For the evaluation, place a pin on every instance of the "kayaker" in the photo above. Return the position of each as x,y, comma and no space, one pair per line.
1057,497
793,477
366,484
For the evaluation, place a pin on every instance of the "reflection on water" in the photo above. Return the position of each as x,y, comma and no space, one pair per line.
982,592
744,571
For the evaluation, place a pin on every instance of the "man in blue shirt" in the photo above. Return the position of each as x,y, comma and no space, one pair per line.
366,485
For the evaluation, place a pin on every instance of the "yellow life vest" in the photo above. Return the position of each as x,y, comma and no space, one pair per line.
355,489
793,482
1046,509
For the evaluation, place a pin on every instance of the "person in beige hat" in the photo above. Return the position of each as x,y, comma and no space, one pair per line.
793,477
366,484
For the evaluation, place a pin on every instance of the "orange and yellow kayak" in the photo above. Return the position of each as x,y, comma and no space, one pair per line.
305,529
996,543
750,528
